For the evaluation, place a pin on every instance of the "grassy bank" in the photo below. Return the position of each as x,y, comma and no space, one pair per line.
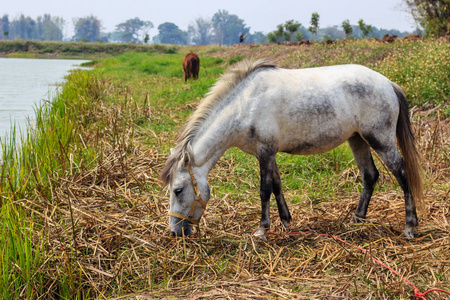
83,214
78,50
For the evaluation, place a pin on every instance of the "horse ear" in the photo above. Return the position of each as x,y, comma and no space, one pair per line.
187,156
185,159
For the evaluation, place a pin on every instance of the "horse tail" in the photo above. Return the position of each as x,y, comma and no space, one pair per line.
407,144
195,65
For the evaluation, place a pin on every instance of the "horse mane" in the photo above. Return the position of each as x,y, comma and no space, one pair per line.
226,83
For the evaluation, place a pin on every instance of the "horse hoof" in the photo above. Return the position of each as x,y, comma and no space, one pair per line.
285,224
357,219
260,232
408,232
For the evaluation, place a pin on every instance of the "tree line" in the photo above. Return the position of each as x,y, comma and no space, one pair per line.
44,28
223,28
294,31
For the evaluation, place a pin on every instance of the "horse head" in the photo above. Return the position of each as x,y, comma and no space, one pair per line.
189,193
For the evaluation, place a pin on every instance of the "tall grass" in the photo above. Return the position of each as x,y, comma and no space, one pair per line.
21,258
31,170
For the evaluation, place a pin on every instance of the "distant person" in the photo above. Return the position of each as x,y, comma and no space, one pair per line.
242,38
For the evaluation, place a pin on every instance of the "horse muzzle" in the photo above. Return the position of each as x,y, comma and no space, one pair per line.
180,227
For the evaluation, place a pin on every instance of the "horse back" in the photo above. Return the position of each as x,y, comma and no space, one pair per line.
309,111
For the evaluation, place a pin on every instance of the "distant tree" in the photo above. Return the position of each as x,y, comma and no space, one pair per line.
306,33
279,33
146,38
132,28
366,29
219,21
201,31
156,39
331,33
51,28
169,33
4,27
292,26
348,29
272,37
228,27
87,29
43,28
257,37
432,15
314,24
299,36
23,28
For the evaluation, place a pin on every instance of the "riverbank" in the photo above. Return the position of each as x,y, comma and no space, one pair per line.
75,50
83,213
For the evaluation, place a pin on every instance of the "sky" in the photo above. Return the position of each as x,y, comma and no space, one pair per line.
259,15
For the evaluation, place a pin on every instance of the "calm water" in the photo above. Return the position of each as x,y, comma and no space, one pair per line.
24,83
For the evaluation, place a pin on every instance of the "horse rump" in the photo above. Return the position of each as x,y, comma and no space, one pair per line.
191,66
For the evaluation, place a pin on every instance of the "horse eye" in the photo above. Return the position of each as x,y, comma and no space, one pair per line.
178,191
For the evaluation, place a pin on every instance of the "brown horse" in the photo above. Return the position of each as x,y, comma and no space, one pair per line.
191,66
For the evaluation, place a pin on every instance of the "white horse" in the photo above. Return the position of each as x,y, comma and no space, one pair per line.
263,109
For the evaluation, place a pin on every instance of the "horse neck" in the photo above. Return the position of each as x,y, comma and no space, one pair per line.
214,137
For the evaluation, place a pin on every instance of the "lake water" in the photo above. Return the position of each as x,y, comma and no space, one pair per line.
24,83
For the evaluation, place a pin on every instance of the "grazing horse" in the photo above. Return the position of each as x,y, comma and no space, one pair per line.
263,109
191,66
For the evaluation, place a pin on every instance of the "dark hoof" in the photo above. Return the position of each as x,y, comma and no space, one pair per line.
285,224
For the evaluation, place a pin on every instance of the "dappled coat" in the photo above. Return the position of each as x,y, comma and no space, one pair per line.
191,66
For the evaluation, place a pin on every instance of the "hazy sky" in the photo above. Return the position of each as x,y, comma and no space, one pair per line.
261,15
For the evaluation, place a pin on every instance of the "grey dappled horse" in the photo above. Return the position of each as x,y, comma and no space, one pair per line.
263,109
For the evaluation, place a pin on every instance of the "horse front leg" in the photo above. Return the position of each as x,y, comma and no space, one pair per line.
266,159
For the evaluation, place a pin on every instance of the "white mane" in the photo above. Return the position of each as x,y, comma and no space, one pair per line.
226,83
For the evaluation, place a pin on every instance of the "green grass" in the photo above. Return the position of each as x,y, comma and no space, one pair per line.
20,258
422,69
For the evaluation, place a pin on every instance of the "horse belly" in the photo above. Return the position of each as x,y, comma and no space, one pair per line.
324,143
302,136
314,129
318,138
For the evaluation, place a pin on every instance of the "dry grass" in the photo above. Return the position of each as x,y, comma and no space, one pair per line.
109,221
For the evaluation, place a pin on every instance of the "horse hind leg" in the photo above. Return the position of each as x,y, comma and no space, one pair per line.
388,152
394,162
369,173
283,209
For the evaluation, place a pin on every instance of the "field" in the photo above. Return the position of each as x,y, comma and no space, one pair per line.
84,215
